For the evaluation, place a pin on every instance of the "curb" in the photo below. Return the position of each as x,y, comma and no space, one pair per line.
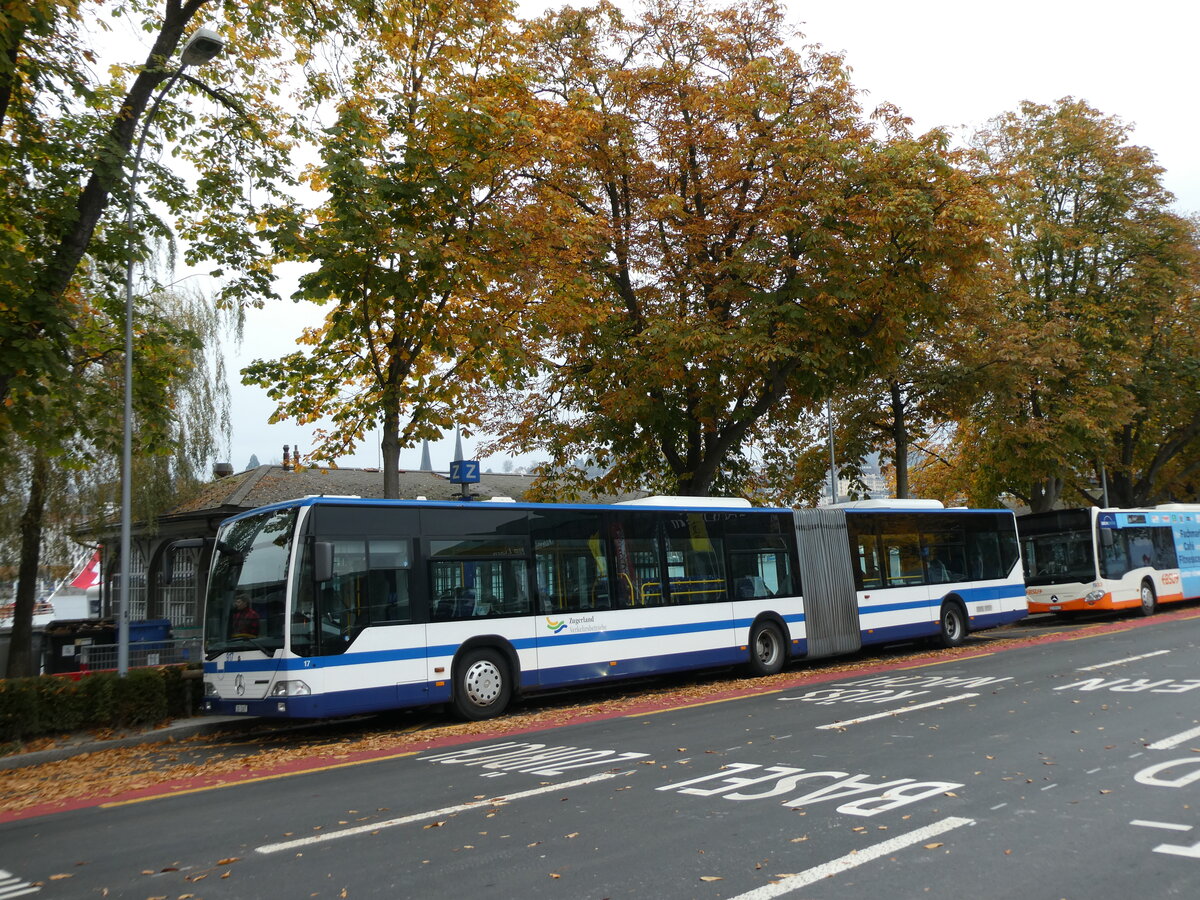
177,730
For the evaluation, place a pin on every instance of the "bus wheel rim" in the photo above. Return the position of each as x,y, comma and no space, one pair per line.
953,625
483,683
766,647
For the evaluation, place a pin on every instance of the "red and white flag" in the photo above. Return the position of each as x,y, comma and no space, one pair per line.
90,576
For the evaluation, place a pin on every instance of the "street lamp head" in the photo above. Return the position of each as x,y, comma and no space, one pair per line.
201,47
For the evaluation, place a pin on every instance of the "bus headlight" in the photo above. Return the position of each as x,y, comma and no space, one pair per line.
210,689
290,689
1093,597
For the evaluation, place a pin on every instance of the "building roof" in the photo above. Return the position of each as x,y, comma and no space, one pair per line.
275,484
202,510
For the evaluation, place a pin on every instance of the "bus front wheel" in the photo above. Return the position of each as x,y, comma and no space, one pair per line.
1149,600
953,630
482,687
766,649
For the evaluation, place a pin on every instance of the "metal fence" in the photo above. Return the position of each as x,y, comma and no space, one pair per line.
97,657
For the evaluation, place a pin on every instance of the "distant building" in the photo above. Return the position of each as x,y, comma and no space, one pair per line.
198,516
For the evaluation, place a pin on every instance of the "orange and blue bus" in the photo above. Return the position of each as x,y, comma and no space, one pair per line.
1103,559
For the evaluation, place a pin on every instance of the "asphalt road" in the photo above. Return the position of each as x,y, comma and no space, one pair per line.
1058,770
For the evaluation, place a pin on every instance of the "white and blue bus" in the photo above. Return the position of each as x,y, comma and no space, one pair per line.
331,606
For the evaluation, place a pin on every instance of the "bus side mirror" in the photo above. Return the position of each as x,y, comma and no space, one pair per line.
168,565
322,561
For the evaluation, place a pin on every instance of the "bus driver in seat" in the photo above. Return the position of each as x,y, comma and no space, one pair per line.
244,621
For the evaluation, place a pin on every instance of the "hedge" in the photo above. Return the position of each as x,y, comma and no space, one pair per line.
51,704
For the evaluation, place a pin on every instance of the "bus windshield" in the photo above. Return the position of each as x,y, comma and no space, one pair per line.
1058,548
248,586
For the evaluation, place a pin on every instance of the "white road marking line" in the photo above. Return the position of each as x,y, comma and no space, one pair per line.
1175,740
999,806
433,814
1191,852
12,886
895,712
852,860
1117,662
1169,826
1047,787
1093,771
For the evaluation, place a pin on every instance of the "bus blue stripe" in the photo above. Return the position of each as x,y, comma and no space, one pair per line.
591,637
629,634
624,634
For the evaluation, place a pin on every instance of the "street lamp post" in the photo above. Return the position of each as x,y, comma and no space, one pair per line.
833,482
202,46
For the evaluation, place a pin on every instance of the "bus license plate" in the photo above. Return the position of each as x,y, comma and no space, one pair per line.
241,707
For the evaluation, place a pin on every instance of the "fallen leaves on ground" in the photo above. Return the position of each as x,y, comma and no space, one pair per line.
222,759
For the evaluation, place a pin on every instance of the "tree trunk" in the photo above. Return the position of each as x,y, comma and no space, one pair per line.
8,74
390,448
107,170
20,650
899,441
1045,494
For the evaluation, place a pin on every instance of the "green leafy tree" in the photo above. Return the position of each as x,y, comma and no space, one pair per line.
66,136
418,245
1154,457
1100,264
62,476
66,133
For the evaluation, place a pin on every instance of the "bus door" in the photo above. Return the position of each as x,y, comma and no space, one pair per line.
827,582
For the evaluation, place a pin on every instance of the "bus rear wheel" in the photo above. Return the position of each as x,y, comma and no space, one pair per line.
1149,600
766,649
482,687
953,629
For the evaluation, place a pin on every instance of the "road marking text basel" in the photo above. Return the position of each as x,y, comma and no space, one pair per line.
777,781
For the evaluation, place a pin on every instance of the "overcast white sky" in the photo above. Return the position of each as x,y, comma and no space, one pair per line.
950,63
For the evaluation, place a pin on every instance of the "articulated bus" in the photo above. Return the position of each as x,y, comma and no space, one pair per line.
1082,559
331,606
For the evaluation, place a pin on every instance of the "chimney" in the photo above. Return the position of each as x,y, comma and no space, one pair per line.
222,470
286,448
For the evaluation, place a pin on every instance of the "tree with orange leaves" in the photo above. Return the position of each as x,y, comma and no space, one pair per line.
740,240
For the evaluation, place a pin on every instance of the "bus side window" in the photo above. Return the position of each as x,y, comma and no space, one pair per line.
570,561
694,560
758,556
473,586
637,572
1165,556
868,570
758,575
944,552
390,564
901,544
